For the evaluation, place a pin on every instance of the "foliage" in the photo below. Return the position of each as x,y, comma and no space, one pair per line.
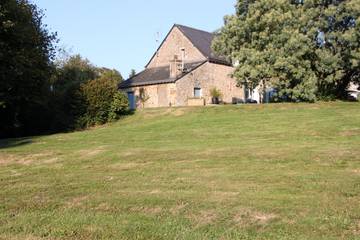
132,73
68,106
215,93
305,49
26,51
97,96
75,69
38,94
82,94
111,74
143,97
119,106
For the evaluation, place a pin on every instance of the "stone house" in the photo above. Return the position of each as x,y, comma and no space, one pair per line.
354,91
182,72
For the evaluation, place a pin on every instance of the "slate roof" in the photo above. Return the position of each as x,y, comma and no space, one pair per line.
202,41
159,75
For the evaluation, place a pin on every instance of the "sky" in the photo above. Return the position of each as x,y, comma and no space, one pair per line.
122,34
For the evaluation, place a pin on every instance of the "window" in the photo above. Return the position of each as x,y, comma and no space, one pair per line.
297,2
197,92
320,38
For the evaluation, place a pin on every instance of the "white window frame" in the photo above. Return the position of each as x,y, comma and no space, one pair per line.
195,89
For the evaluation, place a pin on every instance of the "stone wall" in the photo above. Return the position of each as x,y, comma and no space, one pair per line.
172,46
161,95
206,77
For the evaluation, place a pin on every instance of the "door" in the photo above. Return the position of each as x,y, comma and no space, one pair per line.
132,102
163,100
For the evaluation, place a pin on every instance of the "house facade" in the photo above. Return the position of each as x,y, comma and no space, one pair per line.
182,72
354,91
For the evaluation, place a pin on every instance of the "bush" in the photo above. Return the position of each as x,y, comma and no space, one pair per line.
99,102
97,96
215,93
119,106
82,94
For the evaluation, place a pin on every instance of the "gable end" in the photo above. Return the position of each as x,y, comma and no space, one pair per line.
187,43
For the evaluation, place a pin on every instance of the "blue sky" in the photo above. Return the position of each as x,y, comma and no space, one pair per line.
121,34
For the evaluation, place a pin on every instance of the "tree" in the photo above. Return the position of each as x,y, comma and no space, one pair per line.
336,59
26,51
111,74
71,73
305,49
38,94
132,73
101,101
83,94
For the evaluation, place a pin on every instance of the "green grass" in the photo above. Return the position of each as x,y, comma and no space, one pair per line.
286,171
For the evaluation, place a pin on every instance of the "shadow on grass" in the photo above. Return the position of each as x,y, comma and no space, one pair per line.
17,142
14,142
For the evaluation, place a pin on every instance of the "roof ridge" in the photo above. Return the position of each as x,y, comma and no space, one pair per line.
200,39
196,29
150,76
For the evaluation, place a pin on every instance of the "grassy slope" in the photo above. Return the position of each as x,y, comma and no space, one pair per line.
233,172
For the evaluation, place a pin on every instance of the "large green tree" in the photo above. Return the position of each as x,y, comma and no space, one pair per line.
78,89
111,74
337,55
38,94
306,49
71,72
83,94
26,51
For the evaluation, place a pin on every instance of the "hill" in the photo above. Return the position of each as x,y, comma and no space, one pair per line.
279,171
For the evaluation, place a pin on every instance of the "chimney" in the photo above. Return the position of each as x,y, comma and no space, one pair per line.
182,59
175,67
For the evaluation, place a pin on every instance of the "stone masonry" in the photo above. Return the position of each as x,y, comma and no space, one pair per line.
166,88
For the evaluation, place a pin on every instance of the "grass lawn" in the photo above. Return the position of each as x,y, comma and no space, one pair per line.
285,171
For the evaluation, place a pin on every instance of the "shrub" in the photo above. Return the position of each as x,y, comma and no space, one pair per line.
119,106
215,93
98,96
